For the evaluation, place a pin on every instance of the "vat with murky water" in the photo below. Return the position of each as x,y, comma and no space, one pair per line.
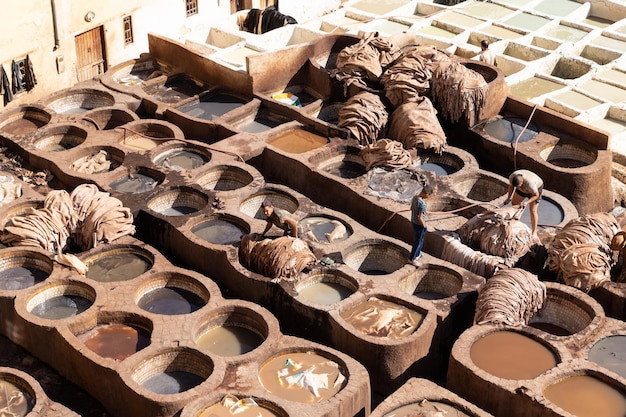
15,400
118,265
610,353
221,231
512,355
587,396
115,340
212,105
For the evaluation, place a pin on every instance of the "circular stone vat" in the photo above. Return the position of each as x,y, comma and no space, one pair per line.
323,229
441,165
23,120
143,135
406,318
171,294
17,397
610,353
23,269
178,201
141,181
173,371
242,406
252,205
297,141
512,355
587,396
375,257
80,101
343,162
481,187
221,230
569,155
232,332
61,138
61,300
183,158
508,129
118,339
314,363
434,282
98,160
563,313
120,264
224,178
325,287
425,407
108,118
550,213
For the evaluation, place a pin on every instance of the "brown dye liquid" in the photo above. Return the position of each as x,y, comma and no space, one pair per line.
586,396
426,408
511,355
380,318
298,141
115,341
233,406
230,340
302,377
14,401
325,293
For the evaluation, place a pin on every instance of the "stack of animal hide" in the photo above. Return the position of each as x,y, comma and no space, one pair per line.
87,215
386,153
498,232
580,253
415,125
281,258
458,253
365,116
510,297
364,62
408,79
458,92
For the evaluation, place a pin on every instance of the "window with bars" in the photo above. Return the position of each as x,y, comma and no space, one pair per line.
191,7
128,30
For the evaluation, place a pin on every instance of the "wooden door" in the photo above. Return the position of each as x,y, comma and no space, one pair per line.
90,58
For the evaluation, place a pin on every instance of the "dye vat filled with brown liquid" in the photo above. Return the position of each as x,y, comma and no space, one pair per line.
511,355
230,340
586,396
240,407
381,318
304,377
297,141
325,293
14,401
426,408
116,341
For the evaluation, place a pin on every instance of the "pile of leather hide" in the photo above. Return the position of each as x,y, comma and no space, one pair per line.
581,254
510,297
281,258
87,216
498,232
